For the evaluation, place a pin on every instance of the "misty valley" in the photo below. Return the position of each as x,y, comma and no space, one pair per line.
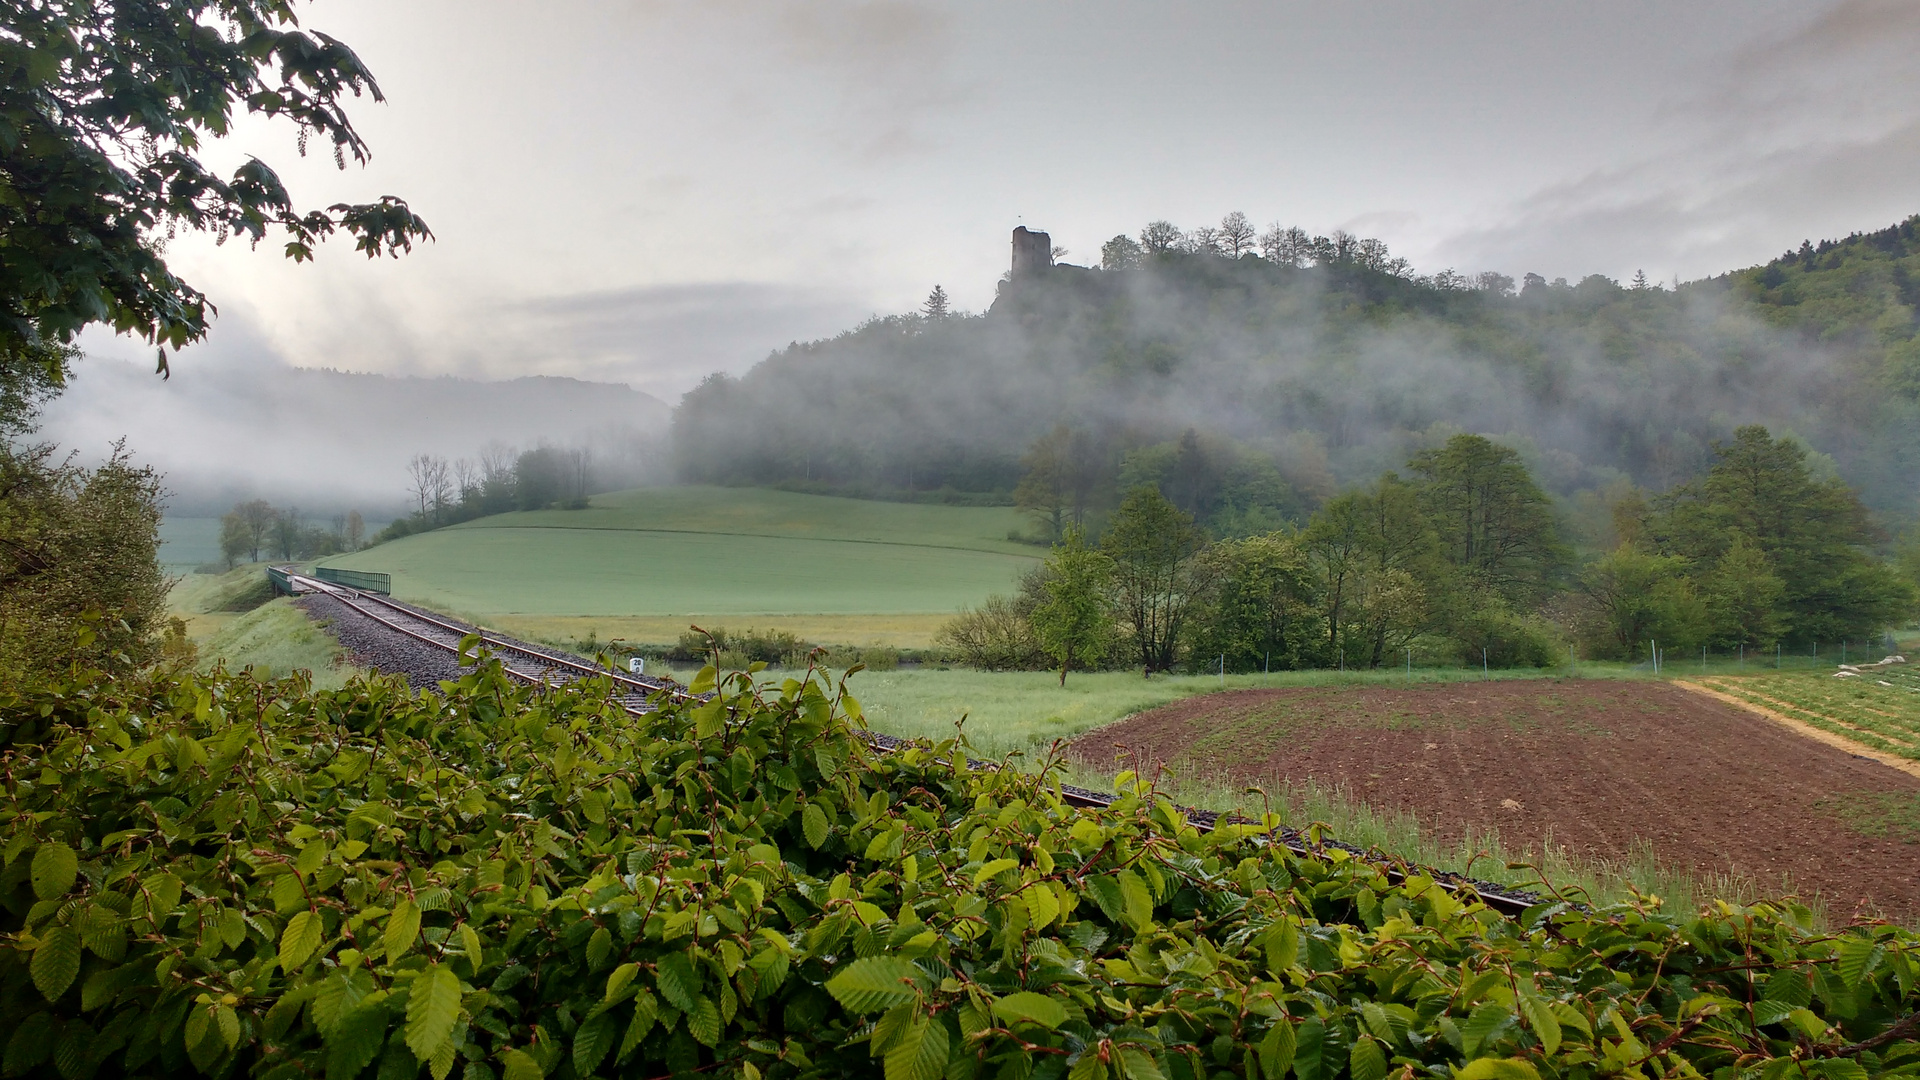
479,650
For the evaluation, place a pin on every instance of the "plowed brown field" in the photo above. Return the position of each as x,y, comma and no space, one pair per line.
1598,767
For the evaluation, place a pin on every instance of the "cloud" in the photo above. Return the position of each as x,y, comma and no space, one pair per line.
888,61
667,337
1811,133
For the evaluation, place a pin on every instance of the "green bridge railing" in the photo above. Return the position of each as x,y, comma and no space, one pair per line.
364,580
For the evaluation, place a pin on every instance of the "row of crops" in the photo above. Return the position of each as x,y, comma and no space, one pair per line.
1879,708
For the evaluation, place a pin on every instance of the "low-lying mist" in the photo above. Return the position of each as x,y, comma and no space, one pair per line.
330,441
1335,362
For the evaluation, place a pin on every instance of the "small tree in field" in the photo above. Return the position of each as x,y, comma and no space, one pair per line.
1152,545
1075,622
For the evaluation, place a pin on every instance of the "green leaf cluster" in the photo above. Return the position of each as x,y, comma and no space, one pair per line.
216,875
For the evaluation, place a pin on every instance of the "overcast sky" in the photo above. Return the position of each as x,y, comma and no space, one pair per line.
644,192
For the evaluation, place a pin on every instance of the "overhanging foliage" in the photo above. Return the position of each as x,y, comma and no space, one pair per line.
216,875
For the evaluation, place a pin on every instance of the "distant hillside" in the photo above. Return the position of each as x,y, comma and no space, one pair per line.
326,439
1305,377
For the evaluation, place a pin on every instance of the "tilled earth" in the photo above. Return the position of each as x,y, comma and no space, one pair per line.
1597,767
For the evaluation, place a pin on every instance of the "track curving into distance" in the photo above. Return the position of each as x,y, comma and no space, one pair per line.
399,638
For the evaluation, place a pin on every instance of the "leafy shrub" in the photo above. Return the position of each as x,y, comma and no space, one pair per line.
217,875
741,647
995,636
1509,639
79,559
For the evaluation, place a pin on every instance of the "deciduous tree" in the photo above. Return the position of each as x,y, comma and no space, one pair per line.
1160,236
1493,521
1120,253
106,109
1152,545
1075,621
1236,236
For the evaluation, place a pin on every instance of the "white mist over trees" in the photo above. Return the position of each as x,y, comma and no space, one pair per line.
1303,363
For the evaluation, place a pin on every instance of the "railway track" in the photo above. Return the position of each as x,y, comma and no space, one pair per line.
539,666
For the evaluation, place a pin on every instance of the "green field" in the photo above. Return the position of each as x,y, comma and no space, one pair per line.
1879,708
643,564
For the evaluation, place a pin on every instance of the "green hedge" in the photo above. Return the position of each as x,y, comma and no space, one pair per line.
215,875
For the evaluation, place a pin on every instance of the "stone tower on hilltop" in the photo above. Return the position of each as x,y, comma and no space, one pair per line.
1031,251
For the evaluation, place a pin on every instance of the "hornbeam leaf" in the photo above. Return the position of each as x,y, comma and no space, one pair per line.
920,1052
619,978
1139,1065
592,1043
356,1040
875,983
1042,906
31,1043
1366,1061
599,948
520,1065
1858,958
1497,1069
1138,899
1540,1017
103,931
1029,1006
1276,1050
432,1006
703,1022
645,1008
1484,1025
56,961
986,872
471,947
403,926
54,870
813,822
299,941
678,981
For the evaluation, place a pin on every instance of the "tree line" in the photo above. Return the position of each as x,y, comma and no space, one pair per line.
1329,357
1459,560
255,527
500,479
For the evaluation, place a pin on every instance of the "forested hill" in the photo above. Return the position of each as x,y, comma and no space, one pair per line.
1325,363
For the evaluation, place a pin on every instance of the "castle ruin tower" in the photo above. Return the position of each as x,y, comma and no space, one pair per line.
1032,251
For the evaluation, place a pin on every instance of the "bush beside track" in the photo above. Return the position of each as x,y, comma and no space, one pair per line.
217,875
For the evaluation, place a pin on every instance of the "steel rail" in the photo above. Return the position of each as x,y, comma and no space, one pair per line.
1511,903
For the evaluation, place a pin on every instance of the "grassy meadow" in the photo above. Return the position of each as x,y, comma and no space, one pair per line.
233,618
643,565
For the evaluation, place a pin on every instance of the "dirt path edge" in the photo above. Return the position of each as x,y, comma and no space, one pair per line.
1808,730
